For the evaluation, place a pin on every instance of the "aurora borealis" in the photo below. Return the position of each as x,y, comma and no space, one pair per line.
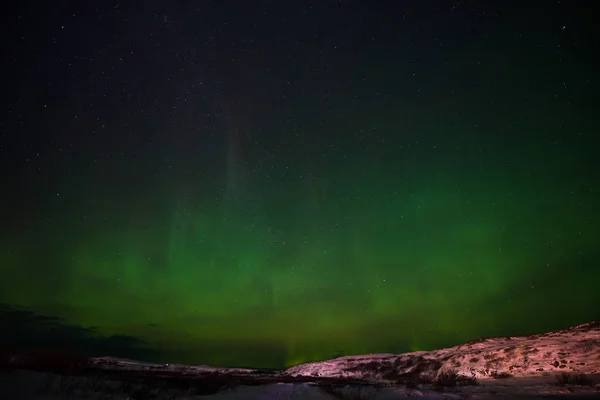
278,183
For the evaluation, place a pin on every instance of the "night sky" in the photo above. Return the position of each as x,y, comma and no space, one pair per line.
264,183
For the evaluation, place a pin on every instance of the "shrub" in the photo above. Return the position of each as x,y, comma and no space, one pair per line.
500,375
573,379
452,379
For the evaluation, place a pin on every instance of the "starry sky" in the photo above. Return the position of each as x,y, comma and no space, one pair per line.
266,183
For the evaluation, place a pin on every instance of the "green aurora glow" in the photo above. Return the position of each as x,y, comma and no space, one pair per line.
324,265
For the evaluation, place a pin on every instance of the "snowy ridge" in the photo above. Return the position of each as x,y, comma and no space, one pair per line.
573,350
112,363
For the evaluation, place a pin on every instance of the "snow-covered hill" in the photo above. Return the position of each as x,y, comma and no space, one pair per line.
575,350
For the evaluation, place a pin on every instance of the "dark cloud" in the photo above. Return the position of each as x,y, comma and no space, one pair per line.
28,330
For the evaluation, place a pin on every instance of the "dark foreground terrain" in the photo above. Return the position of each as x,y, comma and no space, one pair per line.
560,364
